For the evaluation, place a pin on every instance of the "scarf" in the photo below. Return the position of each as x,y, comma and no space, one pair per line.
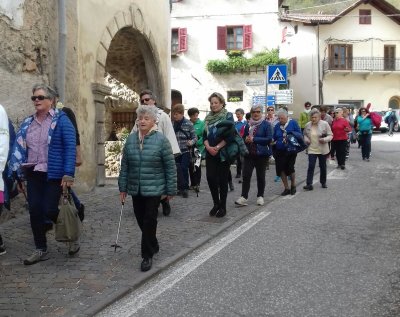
253,125
213,117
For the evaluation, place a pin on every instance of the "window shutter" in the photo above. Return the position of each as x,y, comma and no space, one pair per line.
221,38
182,38
294,65
248,37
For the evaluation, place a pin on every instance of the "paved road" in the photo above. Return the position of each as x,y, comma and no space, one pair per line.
82,285
328,252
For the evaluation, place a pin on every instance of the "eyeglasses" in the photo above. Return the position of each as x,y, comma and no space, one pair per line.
41,97
270,109
144,99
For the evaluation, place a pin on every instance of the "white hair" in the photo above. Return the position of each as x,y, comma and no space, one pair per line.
152,111
282,112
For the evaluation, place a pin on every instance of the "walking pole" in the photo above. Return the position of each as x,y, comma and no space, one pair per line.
116,245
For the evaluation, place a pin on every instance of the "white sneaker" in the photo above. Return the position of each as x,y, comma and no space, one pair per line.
241,201
260,201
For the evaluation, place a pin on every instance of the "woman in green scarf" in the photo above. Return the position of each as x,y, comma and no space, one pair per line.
217,169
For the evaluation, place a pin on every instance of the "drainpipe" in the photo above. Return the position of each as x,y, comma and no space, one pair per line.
319,70
62,49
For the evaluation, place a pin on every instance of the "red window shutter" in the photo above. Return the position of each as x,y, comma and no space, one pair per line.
248,37
221,38
182,39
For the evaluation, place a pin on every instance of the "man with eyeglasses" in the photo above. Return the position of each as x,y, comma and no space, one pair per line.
164,125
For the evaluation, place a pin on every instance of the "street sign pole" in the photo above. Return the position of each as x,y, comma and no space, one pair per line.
266,90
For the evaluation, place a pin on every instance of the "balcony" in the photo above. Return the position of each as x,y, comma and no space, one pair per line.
361,65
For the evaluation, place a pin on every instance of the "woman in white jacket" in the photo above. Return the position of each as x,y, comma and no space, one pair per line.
4,145
317,135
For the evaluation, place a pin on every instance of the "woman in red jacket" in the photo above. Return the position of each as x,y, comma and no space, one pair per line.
340,128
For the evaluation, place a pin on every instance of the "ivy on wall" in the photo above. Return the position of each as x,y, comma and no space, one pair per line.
236,62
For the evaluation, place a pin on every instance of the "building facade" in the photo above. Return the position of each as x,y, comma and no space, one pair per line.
209,30
111,49
352,57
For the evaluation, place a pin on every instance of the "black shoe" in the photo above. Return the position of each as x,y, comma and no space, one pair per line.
156,248
308,187
166,208
342,167
324,186
185,193
293,190
221,212
146,264
231,187
214,210
81,212
285,192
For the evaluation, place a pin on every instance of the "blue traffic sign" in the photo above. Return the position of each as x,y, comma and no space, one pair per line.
277,74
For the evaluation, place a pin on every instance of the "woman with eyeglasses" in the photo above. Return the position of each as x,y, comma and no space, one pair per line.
257,137
340,128
217,169
44,155
364,128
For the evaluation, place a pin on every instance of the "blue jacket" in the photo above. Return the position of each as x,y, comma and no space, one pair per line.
279,136
262,139
62,147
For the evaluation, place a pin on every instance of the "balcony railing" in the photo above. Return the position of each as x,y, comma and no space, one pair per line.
369,64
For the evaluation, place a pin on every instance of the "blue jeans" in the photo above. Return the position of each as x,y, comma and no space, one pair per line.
182,170
365,141
312,159
43,198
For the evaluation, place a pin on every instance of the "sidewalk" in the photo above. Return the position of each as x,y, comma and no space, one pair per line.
96,276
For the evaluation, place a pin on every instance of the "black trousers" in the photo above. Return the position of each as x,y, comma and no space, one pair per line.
146,211
249,164
339,147
195,174
217,177
43,198
312,159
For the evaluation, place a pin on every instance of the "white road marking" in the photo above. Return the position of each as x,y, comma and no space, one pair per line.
131,304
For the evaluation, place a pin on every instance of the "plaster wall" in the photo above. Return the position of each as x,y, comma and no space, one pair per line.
99,21
201,18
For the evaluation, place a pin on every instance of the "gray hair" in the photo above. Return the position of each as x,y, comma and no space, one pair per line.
151,111
50,92
254,107
282,112
315,111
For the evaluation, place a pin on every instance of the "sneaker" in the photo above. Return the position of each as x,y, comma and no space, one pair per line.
37,256
241,201
74,247
277,179
260,201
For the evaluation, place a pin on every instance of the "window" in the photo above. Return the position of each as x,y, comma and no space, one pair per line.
234,37
293,66
340,56
178,40
389,59
235,96
365,16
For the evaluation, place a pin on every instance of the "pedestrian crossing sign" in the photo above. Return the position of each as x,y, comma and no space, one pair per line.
277,74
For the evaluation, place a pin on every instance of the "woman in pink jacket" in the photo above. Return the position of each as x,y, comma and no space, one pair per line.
340,128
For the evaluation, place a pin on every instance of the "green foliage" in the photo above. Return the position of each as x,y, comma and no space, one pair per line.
237,63
234,99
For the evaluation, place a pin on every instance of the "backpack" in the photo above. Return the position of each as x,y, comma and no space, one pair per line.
376,119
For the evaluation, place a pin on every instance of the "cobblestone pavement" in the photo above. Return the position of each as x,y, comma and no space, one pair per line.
96,276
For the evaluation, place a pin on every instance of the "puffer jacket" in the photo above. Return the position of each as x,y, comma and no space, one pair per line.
148,169
279,135
61,152
262,139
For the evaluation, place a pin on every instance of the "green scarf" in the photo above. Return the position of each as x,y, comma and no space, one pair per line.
215,117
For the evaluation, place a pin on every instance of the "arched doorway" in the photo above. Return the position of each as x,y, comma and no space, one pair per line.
126,64
394,102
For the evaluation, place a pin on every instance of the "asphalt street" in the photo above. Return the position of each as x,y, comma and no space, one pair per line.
327,252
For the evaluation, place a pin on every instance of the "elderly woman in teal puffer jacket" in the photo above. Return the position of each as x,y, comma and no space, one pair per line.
147,172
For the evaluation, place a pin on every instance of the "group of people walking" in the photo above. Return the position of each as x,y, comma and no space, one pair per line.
162,157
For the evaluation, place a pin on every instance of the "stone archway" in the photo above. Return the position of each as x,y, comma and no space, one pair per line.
127,52
394,102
